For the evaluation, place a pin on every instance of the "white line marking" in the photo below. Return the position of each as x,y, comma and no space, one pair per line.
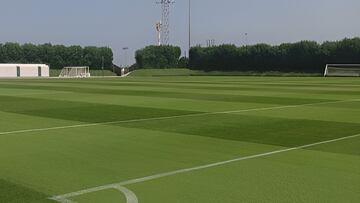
168,117
129,195
64,198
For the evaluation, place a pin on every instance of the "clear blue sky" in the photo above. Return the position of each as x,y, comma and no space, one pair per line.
131,23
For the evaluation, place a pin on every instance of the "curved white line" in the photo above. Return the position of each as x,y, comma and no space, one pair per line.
130,195
62,200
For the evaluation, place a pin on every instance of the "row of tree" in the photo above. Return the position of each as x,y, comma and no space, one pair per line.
57,56
304,56
160,57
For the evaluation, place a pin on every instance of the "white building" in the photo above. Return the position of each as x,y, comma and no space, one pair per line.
24,70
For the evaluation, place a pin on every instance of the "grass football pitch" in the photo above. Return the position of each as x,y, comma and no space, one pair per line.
180,140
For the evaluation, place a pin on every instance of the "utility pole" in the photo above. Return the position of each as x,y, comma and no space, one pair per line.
102,66
125,56
189,28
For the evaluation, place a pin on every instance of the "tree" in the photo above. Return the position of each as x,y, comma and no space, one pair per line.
30,54
183,62
57,56
158,57
303,56
13,52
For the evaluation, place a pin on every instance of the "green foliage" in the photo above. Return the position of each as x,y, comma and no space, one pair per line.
56,55
158,57
304,56
183,62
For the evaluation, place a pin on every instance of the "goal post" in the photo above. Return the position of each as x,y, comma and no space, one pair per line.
344,70
75,72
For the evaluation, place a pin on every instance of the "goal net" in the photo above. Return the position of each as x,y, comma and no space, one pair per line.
75,72
349,70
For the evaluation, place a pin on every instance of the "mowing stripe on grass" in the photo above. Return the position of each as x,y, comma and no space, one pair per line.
34,94
65,197
169,117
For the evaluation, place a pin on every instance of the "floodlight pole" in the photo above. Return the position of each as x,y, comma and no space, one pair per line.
165,20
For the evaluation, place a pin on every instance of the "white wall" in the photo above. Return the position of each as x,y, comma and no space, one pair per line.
26,70
31,71
45,71
9,71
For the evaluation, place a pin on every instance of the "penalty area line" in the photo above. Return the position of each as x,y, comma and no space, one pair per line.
65,197
170,117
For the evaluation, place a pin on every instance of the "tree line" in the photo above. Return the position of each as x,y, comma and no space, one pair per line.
160,57
57,56
303,56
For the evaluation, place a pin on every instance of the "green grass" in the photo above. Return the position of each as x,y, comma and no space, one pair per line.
187,72
163,72
121,129
11,193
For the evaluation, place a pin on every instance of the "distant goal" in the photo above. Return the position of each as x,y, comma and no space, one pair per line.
342,70
75,72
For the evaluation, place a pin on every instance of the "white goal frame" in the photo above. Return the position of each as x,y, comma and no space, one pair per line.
75,72
342,70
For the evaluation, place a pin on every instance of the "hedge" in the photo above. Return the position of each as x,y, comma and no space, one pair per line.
57,56
304,56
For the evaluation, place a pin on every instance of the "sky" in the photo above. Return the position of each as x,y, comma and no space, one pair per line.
131,23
